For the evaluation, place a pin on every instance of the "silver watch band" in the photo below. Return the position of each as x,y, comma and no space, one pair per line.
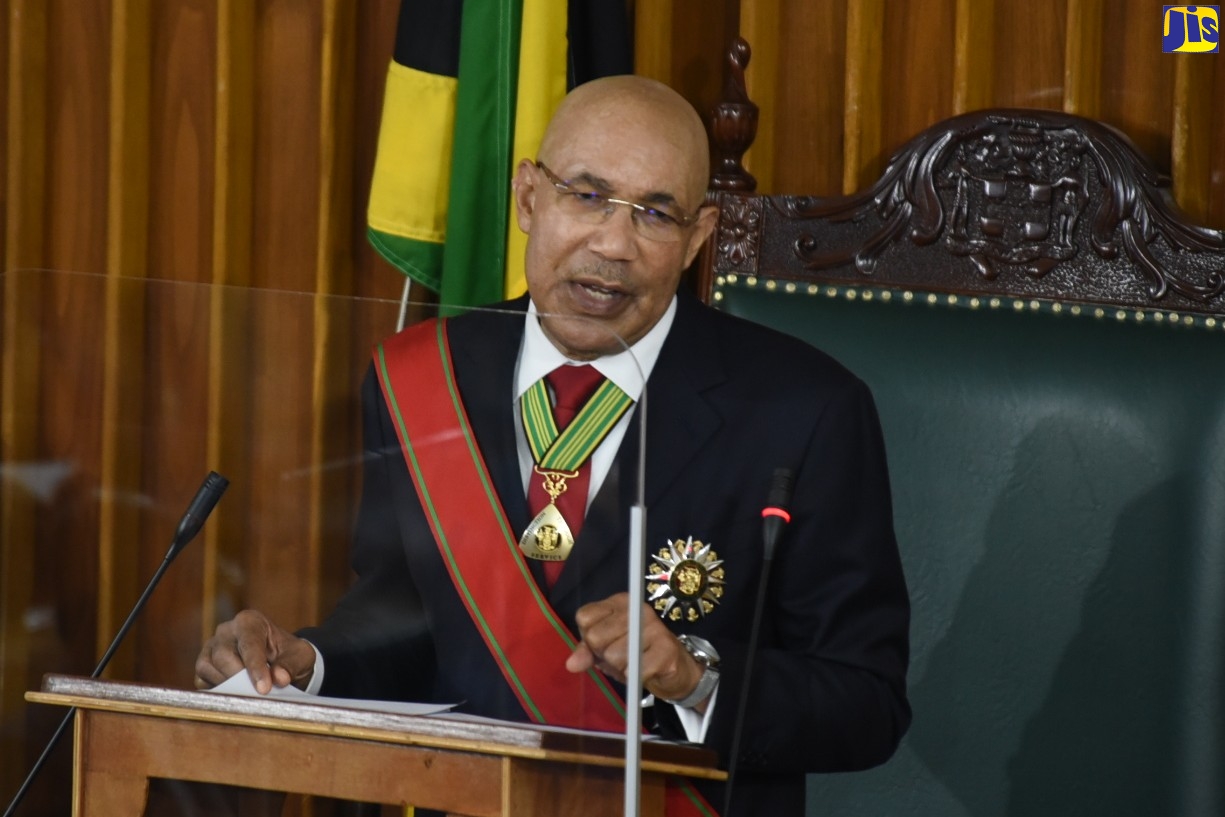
706,685
705,654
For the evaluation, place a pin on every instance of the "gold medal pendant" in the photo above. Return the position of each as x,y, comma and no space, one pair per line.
548,537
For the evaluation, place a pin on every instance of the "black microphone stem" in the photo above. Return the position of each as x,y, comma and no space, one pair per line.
775,520
72,710
758,608
201,506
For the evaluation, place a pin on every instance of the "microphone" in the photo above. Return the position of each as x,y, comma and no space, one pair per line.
775,518
201,506
775,513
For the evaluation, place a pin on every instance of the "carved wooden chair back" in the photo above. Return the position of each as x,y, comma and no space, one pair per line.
1044,333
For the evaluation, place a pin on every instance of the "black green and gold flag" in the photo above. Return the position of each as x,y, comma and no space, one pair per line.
469,91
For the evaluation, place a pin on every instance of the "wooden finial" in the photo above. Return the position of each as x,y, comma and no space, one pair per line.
733,125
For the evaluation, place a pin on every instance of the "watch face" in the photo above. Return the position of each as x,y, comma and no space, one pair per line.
701,649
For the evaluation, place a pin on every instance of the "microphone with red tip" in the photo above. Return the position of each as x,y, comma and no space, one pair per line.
775,518
775,513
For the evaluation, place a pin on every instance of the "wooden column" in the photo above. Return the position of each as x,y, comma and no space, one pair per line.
1082,62
1196,102
333,324
119,573
229,412
973,55
25,200
862,115
653,39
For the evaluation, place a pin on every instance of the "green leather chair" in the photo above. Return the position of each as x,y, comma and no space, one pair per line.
1044,334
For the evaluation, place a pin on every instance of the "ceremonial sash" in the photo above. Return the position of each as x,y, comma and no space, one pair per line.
527,640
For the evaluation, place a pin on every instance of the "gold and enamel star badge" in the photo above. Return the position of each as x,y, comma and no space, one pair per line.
686,580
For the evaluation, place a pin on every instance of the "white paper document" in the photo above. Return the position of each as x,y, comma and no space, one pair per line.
240,684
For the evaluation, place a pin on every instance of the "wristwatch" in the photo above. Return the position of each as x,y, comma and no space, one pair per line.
706,655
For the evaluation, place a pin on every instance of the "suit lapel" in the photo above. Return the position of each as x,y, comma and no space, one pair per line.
604,534
681,417
485,347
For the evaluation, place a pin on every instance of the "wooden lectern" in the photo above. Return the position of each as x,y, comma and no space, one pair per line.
128,733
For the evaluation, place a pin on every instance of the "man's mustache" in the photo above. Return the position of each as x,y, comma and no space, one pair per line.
610,274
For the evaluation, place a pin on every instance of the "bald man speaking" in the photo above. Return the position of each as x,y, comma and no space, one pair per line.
491,543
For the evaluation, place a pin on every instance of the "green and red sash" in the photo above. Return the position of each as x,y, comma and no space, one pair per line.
523,633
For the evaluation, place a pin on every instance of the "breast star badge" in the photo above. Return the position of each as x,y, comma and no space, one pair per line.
686,580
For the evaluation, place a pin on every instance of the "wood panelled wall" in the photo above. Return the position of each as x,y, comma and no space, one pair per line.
222,149
843,83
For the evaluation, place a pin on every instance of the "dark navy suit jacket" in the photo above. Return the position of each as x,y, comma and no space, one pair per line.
728,402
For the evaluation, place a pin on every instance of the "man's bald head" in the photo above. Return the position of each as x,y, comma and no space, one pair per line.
613,211
638,111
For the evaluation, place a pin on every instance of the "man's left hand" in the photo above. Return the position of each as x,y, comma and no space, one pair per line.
668,670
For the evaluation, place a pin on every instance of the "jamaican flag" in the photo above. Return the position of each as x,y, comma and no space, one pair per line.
470,89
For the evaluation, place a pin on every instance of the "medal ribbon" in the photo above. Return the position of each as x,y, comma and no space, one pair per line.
571,448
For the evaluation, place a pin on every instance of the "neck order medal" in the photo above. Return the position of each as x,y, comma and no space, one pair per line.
558,457
548,537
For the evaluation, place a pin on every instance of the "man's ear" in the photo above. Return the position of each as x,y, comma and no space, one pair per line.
523,188
708,217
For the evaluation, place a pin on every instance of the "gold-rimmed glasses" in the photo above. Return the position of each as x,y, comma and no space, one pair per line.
584,204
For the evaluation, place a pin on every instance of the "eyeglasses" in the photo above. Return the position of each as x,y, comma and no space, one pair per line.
593,207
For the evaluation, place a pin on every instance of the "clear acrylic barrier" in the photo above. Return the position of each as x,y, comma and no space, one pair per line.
117,397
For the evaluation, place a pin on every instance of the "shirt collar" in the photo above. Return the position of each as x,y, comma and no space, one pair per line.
628,368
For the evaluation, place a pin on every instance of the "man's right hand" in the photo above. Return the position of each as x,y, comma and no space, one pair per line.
250,641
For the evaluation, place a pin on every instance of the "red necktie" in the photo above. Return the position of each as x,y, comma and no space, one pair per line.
572,386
